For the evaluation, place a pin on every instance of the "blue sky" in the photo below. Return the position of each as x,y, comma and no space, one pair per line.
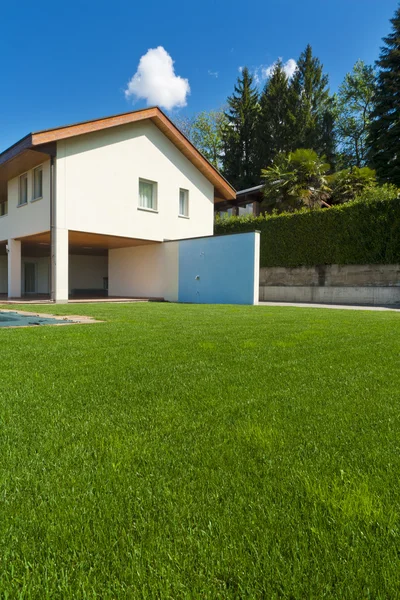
70,61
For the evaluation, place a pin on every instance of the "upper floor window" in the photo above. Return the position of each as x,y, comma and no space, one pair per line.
37,183
183,203
23,189
3,208
147,194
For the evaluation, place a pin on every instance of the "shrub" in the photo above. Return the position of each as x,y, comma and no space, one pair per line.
360,232
387,191
349,183
296,179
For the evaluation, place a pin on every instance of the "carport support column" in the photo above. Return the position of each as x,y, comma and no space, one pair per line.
14,268
60,265
58,226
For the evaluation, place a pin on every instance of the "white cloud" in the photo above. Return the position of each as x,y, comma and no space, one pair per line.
289,68
258,75
155,81
213,73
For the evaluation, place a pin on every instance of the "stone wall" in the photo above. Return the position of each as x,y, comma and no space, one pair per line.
342,284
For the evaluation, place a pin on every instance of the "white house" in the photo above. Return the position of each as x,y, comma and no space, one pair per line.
88,206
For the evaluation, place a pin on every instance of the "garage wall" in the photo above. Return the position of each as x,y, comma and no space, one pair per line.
87,272
220,269
214,270
149,271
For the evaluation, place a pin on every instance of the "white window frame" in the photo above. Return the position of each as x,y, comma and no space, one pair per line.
23,177
184,214
154,185
37,170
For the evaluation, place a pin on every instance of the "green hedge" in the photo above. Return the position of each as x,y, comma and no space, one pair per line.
358,232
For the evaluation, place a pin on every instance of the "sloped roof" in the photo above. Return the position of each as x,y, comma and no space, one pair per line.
40,141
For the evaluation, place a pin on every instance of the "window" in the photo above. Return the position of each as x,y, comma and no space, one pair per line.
3,208
147,194
37,183
228,212
246,209
23,189
183,203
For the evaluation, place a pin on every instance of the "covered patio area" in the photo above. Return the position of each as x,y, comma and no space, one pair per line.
26,267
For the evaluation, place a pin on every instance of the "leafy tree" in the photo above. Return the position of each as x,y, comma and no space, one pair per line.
207,131
239,134
204,130
296,179
312,107
349,183
274,119
385,126
185,125
353,113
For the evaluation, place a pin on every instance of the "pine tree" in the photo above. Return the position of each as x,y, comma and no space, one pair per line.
311,107
384,137
239,135
274,124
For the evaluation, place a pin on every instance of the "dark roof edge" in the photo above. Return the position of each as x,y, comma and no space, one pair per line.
252,189
11,151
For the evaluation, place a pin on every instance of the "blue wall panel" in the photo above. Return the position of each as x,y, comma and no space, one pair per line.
218,270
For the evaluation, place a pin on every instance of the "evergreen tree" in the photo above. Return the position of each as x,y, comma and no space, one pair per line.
239,135
274,119
385,127
312,107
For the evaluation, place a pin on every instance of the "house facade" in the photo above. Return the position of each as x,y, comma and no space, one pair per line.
246,202
86,209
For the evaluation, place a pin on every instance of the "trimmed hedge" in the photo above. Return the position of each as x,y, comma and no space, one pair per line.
358,232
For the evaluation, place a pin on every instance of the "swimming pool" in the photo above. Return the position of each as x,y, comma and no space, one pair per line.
15,319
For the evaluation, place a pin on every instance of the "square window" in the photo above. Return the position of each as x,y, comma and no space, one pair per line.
183,203
147,194
23,189
37,183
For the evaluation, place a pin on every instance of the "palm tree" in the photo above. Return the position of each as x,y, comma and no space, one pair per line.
296,179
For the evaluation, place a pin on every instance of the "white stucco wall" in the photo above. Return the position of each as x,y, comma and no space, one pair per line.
33,217
87,272
98,185
145,271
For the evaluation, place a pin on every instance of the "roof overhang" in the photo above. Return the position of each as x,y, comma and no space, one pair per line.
22,156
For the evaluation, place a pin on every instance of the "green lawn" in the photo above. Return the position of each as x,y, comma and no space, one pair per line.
201,452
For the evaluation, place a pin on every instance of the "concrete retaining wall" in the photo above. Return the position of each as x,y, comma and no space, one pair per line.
336,284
